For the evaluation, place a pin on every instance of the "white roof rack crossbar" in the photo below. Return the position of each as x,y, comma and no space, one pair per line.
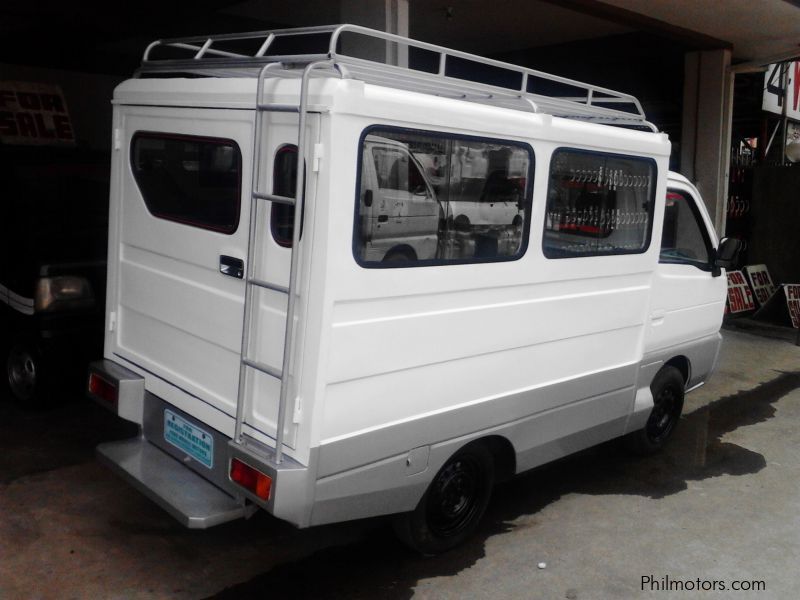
447,72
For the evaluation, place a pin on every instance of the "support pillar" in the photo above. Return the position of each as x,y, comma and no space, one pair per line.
390,16
706,131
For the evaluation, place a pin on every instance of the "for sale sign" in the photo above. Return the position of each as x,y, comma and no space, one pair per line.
793,303
740,298
761,282
782,89
34,113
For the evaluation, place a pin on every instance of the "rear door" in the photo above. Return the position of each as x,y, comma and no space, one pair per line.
184,184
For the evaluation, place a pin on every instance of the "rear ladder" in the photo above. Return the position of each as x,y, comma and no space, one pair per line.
251,280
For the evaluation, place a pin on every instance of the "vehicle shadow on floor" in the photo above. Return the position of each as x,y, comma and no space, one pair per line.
378,566
38,441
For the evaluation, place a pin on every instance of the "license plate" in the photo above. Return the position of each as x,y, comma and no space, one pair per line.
191,439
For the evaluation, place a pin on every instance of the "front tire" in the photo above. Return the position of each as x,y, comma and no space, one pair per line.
668,392
400,254
453,504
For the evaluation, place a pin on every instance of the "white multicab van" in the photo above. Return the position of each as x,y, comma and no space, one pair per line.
382,357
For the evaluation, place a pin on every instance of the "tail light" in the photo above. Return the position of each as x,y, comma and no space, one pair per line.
102,389
251,479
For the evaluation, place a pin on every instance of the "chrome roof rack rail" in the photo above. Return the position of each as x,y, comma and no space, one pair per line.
445,73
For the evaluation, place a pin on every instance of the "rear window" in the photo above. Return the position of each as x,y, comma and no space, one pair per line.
284,183
192,180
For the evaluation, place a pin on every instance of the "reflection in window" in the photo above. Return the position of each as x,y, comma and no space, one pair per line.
188,179
598,204
683,240
426,198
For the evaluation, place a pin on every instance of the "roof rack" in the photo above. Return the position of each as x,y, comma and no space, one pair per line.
438,71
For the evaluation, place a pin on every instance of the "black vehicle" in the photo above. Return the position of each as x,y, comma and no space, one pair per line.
53,236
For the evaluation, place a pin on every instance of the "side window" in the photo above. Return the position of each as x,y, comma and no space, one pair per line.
284,183
598,204
426,198
685,239
188,179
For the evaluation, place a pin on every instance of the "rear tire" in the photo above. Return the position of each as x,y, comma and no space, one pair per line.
453,504
668,392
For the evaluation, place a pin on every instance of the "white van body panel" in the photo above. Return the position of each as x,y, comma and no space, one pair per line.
394,369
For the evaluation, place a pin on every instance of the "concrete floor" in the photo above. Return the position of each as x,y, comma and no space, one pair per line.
721,503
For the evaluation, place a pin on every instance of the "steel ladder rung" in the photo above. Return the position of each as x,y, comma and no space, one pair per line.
264,368
267,285
274,198
269,106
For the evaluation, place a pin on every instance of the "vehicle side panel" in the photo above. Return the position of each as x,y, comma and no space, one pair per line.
543,352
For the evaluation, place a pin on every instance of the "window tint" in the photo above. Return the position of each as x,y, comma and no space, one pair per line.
284,183
190,180
598,204
427,198
684,239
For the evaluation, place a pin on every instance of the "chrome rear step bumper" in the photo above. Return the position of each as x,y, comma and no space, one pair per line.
191,499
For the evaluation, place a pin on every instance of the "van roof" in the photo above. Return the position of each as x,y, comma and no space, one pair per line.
437,71
385,141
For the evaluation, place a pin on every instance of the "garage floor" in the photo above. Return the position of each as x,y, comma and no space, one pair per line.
721,504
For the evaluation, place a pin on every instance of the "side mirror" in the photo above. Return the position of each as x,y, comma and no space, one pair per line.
727,253
368,198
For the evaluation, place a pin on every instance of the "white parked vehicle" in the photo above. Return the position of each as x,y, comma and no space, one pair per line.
399,212
311,372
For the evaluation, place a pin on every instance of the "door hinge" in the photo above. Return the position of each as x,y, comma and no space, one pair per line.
319,152
117,138
112,320
297,414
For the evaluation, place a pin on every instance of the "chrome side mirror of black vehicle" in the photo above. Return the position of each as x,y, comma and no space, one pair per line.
726,255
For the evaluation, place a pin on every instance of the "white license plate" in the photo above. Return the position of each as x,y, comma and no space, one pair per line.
189,438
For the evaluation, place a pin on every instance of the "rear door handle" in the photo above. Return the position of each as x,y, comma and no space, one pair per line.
231,266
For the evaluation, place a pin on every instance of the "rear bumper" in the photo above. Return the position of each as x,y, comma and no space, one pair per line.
198,494
192,500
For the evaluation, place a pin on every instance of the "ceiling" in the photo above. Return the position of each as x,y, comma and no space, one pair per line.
110,37
752,28
756,29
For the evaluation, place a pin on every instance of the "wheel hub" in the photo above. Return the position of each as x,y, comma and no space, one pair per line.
454,498
663,417
22,373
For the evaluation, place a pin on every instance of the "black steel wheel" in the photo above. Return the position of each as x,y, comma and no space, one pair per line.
22,367
668,392
453,504
26,374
